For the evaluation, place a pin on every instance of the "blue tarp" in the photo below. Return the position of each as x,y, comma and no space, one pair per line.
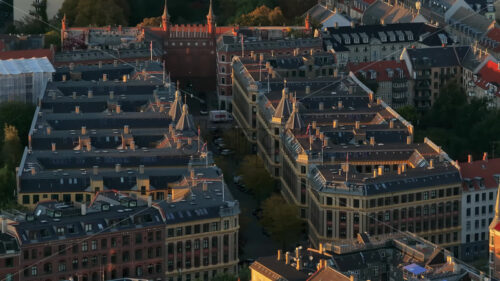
415,269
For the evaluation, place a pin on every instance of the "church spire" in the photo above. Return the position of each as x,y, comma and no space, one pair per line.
165,18
211,19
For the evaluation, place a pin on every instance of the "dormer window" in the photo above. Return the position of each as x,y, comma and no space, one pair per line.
60,230
71,228
88,227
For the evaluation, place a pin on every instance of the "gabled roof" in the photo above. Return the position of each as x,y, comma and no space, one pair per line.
320,13
328,274
386,70
185,122
484,169
175,111
284,108
475,21
295,121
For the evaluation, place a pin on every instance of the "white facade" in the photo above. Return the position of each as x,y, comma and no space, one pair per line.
24,80
478,210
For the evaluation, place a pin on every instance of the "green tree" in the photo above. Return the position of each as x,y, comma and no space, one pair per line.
12,148
19,115
409,113
52,38
7,185
256,177
263,16
281,220
155,21
96,12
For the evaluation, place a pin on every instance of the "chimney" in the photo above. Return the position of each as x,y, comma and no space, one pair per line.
53,146
320,248
321,106
357,124
179,144
118,109
124,78
117,168
83,208
252,55
403,168
485,156
391,124
308,90
469,158
299,264
339,104
314,125
399,169
287,258
372,141
33,171
64,77
100,64
374,173
351,278
190,141
279,255
126,130
111,95
95,170
104,77
74,95
431,164
380,170
90,94
115,63
77,109
379,101
311,52
296,52
4,225
49,130
353,25
132,145
370,96
84,130
335,124
71,66
408,140
325,141
141,169
297,252
150,201
205,186
382,21
336,25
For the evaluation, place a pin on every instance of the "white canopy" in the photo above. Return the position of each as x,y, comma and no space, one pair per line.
20,66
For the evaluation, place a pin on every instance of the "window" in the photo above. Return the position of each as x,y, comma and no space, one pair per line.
47,251
62,250
158,235
85,246
226,224
104,243
26,199
491,195
62,266
34,271
93,245
126,240
138,238
88,227
468,198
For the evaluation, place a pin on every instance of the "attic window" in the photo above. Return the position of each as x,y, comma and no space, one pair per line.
88,227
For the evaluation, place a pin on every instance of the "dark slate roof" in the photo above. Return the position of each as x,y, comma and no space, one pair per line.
90,73
424,33
279,267
439,56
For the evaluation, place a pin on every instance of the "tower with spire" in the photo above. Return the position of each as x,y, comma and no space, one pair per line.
165,18
211,19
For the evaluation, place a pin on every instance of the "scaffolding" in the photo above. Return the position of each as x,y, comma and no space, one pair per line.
24,80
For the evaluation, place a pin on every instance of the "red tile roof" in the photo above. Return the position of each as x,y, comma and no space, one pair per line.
497,227
489,73
380,67
27,54
484,169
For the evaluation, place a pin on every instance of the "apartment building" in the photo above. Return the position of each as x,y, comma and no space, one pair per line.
482,81
391,78
9,256
269,42
93,136
348,160
120,236
399,256
494,241
480,180
367,43
432,68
